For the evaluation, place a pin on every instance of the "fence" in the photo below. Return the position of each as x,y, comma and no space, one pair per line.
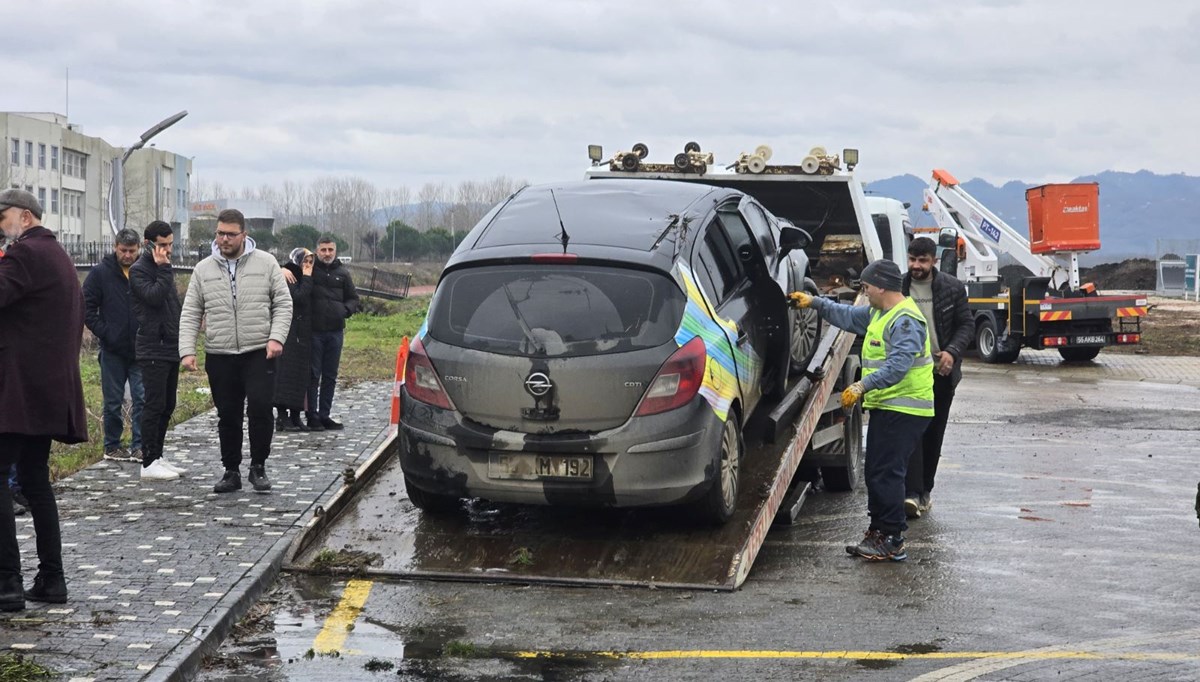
372,281
88,254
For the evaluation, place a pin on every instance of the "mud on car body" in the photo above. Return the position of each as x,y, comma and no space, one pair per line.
603,344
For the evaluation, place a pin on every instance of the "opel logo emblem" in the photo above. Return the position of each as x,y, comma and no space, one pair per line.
538,384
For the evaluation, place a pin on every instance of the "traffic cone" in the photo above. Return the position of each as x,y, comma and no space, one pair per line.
401,359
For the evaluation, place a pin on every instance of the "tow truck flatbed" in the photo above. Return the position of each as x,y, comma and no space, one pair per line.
566,546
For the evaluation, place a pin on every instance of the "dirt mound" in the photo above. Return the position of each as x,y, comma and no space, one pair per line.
1135,273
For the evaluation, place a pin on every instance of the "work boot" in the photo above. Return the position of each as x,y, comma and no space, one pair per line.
48,588
293,422
926,503
12,593
912,507
258,478
314,422
280,423
877,546
331,425
230,482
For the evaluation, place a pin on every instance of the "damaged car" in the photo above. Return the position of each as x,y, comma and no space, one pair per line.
604,344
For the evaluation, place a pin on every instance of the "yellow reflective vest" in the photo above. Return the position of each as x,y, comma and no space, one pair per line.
914,393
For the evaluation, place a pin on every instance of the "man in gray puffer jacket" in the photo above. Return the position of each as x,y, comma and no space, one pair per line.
243,299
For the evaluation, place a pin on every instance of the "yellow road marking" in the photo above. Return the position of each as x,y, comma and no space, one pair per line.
333,635
865,655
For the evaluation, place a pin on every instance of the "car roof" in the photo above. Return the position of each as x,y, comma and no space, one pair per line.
625,220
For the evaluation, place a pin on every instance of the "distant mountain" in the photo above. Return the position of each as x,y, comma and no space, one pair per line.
1135,208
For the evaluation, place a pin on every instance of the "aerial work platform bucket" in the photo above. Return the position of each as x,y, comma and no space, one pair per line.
1064,217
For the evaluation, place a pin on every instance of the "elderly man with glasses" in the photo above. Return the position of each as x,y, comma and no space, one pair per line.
243,299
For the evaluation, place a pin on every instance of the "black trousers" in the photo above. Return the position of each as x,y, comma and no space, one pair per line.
160,382
31,454
243,384
891,437
923,464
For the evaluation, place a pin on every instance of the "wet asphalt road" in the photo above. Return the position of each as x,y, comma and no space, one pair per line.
1062,544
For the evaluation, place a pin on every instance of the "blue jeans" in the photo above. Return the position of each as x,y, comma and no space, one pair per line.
115,371
326,354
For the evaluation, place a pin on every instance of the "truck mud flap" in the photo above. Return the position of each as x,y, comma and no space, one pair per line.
497,543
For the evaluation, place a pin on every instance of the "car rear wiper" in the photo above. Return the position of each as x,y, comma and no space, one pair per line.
537,346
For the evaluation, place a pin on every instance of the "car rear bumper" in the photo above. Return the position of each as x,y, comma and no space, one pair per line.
664,459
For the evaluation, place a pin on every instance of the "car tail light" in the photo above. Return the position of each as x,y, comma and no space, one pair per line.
1053,341
677,381
420,378
1129,338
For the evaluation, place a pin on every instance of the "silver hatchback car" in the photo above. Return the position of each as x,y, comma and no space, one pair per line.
604,343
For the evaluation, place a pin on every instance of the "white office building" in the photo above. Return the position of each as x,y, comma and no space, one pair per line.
70,173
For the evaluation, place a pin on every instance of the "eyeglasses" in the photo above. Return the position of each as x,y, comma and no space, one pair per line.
228,235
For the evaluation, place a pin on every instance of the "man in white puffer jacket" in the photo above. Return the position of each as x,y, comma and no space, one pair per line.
243,299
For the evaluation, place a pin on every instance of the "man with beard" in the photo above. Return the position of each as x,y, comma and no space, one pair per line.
943,301
108,313
241,296
334,299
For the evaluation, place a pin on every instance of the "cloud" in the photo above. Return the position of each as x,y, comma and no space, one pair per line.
463,89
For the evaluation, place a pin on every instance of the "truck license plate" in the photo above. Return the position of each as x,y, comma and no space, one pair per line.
531,467
1099,338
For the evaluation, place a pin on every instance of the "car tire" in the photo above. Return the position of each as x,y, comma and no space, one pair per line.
718,504
987,342
845,478
433,503
804,333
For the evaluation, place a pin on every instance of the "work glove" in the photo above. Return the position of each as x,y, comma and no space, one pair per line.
799,299
851,395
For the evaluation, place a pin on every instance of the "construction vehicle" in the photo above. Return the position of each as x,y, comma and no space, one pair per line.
1050,308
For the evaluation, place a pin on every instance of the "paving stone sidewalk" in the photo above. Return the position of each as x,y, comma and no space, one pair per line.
157,571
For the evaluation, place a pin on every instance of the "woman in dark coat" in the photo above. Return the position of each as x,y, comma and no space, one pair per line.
293,370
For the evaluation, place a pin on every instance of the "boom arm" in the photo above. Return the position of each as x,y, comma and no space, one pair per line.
986,234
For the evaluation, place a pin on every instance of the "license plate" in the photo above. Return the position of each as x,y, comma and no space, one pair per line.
530,467
1099,338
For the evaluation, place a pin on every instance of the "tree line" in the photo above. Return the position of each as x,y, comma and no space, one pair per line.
368,222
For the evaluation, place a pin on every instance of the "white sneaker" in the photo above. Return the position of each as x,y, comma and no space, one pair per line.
171,466
157,471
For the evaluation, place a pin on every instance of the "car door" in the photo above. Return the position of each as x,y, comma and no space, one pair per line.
766,234
716,258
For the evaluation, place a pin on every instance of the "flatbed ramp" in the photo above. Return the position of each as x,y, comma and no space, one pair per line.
489,542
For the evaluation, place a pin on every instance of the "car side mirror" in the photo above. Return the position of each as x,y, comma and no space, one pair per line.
792,238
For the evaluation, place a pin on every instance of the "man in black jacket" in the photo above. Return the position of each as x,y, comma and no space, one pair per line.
156,304
334,299
943,301
108,313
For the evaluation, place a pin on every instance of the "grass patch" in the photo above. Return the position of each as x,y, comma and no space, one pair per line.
372,339
343,561
376,665
521,556
458,649
17,668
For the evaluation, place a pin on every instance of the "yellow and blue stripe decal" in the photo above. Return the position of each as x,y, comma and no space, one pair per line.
725,363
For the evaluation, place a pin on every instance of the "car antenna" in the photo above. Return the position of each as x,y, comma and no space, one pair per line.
562,236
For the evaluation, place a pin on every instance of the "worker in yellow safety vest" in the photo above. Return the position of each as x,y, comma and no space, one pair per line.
896,386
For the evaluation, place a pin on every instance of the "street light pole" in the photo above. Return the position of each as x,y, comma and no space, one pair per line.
116,187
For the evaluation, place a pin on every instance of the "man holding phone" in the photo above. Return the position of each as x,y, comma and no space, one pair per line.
156,305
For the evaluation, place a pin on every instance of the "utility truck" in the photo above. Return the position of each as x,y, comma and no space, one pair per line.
1049,308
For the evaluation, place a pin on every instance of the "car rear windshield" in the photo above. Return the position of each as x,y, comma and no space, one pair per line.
555,310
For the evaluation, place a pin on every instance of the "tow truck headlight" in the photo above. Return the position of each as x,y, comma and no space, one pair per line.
595,153
850,157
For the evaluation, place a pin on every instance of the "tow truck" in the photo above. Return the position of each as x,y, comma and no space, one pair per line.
1050,308
791,444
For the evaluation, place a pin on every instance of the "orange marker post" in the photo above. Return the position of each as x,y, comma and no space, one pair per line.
401,361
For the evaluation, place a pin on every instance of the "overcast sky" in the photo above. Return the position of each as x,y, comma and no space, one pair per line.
403,93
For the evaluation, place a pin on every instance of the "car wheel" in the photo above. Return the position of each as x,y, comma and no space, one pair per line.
805,333
427,501
845,478
718,504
